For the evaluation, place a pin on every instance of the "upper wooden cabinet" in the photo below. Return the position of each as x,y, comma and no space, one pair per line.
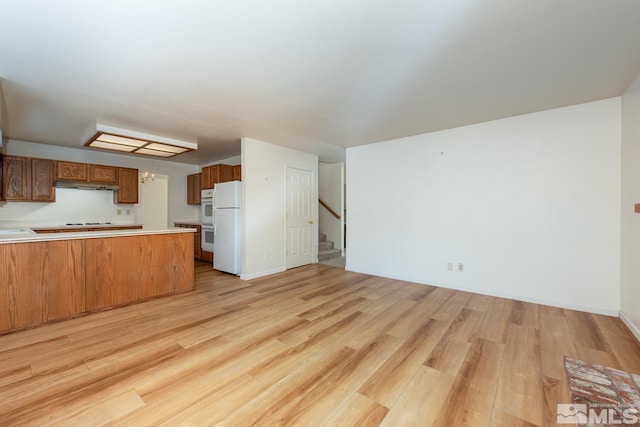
72,171
25,179
214,174
42,178
193,189
16,178
103,174
128,183
237,173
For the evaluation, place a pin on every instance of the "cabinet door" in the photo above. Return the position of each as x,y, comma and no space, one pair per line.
190,190
103,174
206,181
196,189
71,170
21,284
62,279
128,182
226,173
197,245
16,178
237,173
193,189
42,176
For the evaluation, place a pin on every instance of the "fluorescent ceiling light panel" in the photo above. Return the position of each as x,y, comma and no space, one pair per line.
154,152
124,140
120,140
109,146
169,148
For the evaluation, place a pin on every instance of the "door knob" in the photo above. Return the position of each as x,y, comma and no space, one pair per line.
310,221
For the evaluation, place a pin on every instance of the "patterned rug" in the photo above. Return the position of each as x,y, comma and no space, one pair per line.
600,396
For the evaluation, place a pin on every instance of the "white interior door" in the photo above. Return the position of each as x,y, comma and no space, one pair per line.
299,217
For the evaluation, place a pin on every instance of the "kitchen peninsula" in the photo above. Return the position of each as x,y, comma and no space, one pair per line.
54,276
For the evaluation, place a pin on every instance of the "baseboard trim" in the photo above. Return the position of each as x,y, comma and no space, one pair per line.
262,273
633,328
586,309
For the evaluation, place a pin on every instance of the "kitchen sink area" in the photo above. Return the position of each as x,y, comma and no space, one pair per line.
8,231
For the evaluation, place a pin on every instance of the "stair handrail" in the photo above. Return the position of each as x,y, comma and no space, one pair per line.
331,211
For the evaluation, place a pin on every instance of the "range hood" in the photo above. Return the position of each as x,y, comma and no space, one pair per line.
83,185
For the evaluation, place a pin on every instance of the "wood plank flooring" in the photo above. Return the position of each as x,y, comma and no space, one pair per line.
314,346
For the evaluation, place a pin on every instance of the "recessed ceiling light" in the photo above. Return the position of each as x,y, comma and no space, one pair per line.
124,140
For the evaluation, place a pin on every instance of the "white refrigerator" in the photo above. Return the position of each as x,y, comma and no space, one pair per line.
227,227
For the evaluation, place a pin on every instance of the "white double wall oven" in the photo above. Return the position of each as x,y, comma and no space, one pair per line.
207,219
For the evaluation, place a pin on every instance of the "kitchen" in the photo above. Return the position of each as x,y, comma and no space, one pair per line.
83,213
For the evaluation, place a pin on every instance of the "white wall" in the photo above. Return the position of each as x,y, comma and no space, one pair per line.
39,214
235,160
263,201
331,191
2,113
529,204
630,245
152,209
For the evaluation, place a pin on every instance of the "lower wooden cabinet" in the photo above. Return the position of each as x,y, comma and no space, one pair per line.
197,238
53,290
46,281
139,267
207,257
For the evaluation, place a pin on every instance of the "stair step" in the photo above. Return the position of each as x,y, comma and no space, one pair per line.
325,245
322,237
328,254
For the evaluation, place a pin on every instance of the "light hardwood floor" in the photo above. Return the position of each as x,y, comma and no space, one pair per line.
314,346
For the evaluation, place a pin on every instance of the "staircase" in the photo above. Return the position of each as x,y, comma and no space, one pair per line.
325,249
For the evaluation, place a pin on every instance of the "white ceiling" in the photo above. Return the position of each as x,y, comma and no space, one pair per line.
318,75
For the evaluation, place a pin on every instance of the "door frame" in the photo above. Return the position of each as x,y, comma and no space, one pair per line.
314,212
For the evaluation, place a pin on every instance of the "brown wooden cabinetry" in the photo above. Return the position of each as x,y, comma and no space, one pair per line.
128,183
25,179
211,175
139,267
51,291
237,173
197,238
76,276
193,189
42,177
206,256
71,171
16,178
103,174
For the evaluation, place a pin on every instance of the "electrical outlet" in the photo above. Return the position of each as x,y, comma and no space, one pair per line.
119,212
450,266
460,267
128,211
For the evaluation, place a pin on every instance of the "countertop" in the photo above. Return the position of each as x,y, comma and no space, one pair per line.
188,222
28,235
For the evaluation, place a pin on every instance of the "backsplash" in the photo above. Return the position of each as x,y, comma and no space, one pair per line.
71,206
